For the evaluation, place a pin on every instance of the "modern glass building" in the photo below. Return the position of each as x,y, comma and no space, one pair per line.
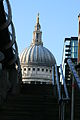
70,50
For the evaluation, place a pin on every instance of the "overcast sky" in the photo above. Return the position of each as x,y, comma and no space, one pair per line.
58,19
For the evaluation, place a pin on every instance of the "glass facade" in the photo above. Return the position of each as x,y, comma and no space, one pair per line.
70,50
74,48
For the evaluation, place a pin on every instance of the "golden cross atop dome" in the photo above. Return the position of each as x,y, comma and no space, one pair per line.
38,14
79,15
38,18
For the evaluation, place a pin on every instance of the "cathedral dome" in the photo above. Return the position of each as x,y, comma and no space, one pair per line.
36,60
37,55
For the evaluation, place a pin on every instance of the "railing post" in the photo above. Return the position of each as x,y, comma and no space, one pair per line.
72,100
59,111
57,83
72,68
63,110
64,84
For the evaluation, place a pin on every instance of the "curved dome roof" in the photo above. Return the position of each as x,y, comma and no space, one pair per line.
36,54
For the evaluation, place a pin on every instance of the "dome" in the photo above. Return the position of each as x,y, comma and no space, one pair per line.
37,55
36,60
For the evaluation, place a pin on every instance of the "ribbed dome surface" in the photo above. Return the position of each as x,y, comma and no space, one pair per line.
38,55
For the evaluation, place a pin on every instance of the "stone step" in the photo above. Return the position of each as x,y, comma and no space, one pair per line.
31,106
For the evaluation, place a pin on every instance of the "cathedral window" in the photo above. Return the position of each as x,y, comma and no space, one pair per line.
42,70
33,69
38,69
37,35
28,69
50,71
46,70
24,69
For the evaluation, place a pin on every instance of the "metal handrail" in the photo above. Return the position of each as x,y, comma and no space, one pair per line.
64,84
12,43
57,82
7,23
72,68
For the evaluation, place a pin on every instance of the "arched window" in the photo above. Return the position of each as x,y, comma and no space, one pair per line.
33,69
29,69
37,35
24,69
42,70
50,71
46,70
38,69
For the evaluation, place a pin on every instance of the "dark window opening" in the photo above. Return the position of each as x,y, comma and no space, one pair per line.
33,69
46,70
38,69
24,69
37,35
28,69
42,69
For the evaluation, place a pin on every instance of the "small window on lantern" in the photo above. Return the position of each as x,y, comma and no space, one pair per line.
37,35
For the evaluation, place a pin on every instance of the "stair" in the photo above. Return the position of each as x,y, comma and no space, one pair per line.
35,102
